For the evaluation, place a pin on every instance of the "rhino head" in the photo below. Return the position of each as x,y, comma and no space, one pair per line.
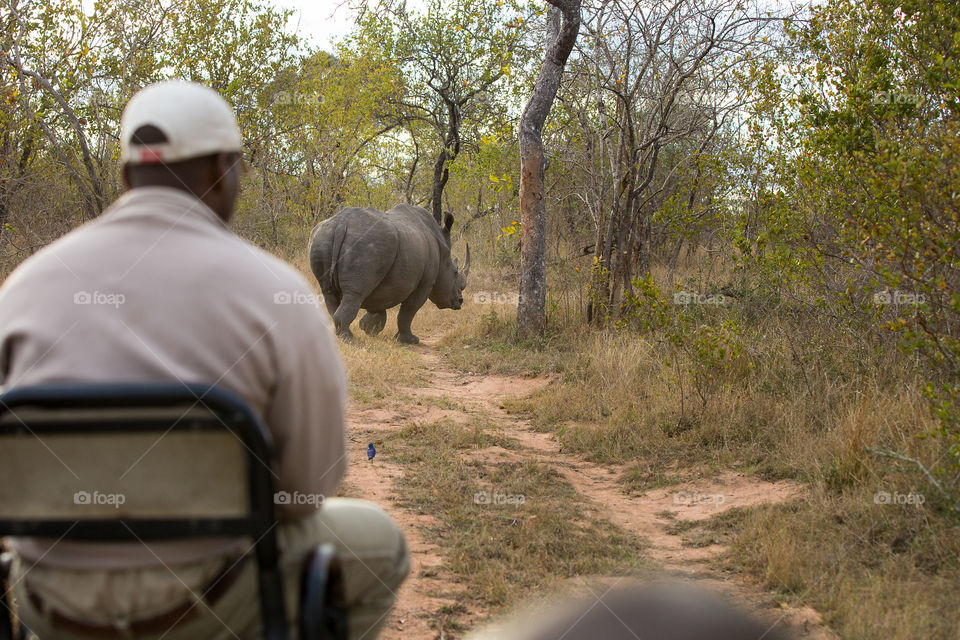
448,289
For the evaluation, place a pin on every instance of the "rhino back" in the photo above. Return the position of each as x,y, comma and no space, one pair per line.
415,266
351,248
417,218
382,257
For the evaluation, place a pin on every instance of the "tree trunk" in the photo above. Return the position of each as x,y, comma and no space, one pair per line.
441,173
531,312
441,169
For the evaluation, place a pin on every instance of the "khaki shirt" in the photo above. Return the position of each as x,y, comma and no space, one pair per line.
158,288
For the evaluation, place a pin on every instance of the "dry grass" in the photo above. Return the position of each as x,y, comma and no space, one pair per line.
483,341
503,551
379,369
873,570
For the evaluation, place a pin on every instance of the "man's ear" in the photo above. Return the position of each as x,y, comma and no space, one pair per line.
224,165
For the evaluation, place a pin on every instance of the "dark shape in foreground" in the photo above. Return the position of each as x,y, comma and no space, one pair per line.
368,259
656,611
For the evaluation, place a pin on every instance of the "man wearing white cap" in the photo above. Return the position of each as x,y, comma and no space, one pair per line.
158,288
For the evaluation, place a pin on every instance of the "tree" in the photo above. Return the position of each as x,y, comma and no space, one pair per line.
69,68
451,55
660,77
49,54
563,25
321,142
865,148
74,68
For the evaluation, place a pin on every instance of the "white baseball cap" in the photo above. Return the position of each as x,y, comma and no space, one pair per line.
195,120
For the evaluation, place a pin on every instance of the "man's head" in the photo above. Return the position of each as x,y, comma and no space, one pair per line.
184,136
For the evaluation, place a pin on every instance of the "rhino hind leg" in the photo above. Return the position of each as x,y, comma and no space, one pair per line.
345,314
332,300
373,322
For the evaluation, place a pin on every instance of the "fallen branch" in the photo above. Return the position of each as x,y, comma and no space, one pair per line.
886,453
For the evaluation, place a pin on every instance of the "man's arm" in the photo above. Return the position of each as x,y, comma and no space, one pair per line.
307,413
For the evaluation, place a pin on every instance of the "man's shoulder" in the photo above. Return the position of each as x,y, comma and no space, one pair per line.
276,287
264,271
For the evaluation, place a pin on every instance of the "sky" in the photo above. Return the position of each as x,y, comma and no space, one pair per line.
317,21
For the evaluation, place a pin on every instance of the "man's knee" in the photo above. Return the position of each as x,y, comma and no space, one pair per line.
370,546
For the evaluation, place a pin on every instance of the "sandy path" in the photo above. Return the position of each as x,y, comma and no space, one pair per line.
430,588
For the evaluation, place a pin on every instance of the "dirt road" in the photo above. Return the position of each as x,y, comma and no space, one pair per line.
432,593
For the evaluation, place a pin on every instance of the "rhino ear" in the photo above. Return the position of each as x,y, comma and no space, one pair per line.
448,222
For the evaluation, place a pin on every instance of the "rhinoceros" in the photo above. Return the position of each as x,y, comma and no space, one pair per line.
368,259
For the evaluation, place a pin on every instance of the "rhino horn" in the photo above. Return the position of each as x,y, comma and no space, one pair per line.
466,263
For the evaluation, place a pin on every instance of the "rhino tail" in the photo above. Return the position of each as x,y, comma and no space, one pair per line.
336,252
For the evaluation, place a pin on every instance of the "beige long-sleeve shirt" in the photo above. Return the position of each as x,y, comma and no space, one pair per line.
158,288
